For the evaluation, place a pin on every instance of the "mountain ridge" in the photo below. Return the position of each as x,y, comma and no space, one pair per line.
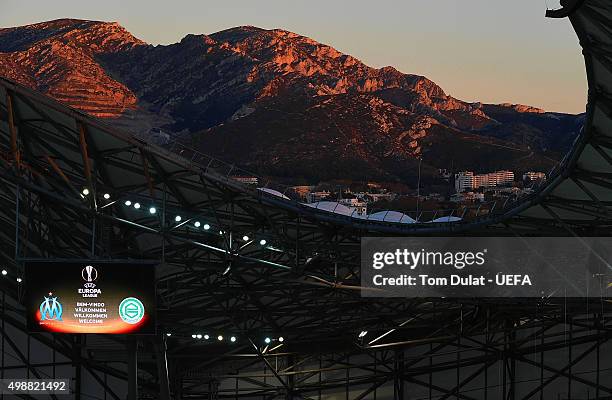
248,84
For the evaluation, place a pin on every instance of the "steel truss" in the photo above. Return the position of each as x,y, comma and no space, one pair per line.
303,283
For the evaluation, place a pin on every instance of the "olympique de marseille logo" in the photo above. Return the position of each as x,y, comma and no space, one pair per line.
51,309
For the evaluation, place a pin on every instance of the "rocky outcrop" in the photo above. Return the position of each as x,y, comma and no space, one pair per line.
273,100
59,58
523,108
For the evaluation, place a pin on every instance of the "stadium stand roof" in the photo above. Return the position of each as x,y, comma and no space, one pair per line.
299,274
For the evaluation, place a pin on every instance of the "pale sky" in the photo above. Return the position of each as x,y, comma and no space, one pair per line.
476,50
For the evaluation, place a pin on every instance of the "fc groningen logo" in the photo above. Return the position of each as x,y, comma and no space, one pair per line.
131,310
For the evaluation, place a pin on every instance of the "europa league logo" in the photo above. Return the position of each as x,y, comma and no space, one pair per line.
89,273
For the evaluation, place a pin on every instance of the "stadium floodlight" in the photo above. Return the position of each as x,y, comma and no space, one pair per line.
281,339
168,334
199,336
263,242
85,192
128,203
178,218
245,238
137,206
221,232
194,336
233,339
267,340
152,210
219,337
206,227
4,272
106,196
19,280
206,337
197,224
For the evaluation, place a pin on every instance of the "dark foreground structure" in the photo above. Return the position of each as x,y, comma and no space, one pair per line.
283,278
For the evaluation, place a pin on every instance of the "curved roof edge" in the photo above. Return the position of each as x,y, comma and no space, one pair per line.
281,201
567,8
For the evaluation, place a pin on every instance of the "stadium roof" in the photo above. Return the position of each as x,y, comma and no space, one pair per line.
298,272
55,152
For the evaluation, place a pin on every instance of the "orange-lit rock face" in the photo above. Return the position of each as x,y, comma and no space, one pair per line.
523,108
277,102
102,69
60,59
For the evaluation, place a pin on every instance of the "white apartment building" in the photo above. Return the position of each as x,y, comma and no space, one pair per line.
464,181
247,180
467,180
381,196
534,176
314,197
360,206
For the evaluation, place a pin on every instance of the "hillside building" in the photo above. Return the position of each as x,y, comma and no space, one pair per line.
467,180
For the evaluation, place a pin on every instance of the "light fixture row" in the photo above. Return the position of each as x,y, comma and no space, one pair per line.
233,338
269,340
196,224
177,218
4,272
199,336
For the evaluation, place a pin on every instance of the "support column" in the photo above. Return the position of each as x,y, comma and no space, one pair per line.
399,375
132,355
3,352
291,378
162,367
78,369
512,394
13,129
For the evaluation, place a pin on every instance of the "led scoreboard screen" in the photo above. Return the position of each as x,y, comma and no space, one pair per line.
90,297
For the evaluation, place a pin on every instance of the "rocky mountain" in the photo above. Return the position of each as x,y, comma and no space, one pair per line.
279,103
59,58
